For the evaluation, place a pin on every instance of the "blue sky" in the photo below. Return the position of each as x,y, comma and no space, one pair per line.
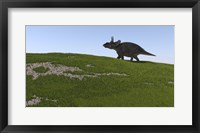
158,40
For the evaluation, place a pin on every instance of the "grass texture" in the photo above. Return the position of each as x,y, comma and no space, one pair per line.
147,84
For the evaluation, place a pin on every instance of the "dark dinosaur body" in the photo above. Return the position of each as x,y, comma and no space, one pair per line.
126,49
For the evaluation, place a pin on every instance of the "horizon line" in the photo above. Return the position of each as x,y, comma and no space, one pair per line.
93,55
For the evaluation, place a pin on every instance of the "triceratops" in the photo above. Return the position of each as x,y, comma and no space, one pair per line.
128,49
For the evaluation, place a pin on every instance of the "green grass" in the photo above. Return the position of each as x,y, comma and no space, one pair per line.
41,69
147,83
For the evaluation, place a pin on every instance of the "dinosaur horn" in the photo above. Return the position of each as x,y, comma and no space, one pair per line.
112,39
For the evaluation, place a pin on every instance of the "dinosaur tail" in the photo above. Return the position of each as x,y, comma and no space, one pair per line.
147,53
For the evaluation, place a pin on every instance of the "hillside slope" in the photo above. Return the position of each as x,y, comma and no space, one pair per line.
77,80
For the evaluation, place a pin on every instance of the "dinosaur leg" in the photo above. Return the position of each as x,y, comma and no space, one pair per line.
136,58
131,59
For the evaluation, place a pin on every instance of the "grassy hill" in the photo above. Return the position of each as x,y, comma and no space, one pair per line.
77,80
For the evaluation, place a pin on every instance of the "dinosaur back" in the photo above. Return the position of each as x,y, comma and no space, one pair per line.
131,49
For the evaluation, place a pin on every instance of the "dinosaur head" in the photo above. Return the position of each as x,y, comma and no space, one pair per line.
112,44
